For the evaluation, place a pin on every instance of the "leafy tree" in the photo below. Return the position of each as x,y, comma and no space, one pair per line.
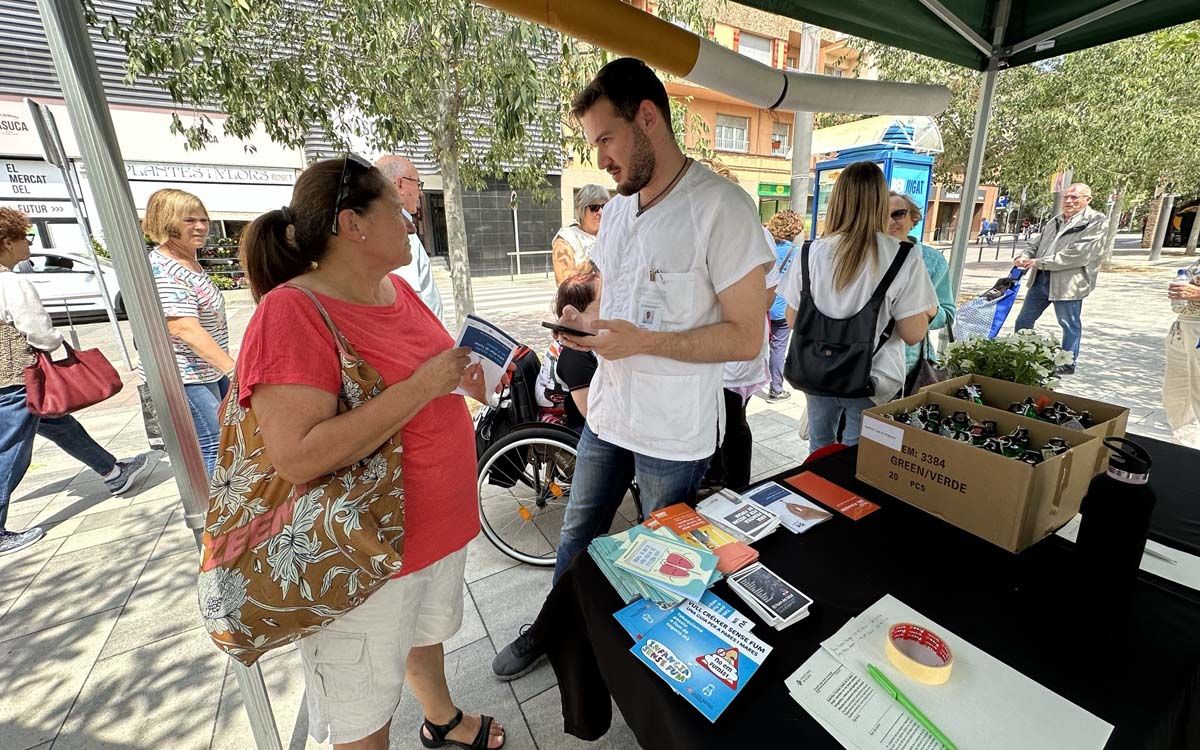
486,91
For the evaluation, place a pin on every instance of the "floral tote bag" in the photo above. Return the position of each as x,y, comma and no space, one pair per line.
279,562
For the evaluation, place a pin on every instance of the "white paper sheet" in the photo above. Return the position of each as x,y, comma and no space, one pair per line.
1185,570
985,704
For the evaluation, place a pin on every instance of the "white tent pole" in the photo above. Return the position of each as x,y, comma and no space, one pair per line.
802,124
966,205
75,64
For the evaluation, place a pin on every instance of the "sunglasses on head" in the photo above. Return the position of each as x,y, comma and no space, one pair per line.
595,207
898,214
363,166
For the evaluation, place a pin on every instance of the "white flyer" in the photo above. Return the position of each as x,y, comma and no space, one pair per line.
491,349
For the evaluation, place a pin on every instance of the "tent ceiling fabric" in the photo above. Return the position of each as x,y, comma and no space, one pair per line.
910,25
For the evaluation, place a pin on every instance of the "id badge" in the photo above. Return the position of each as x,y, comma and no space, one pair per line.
649,317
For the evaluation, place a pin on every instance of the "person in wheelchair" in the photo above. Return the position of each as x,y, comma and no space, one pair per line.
575,368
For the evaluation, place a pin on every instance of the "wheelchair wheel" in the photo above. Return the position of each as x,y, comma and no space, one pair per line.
522,513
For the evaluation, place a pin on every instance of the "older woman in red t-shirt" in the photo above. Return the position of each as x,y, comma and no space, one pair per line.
343,233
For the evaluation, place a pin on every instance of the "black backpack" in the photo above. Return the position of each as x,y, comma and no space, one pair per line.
832,356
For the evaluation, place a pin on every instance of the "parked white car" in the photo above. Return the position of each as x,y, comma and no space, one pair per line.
67,281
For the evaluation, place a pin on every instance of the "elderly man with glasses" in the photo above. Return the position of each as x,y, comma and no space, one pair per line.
1063,265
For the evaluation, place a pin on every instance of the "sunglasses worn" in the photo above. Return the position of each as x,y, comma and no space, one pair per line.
362,166
898,214
30,237
595,207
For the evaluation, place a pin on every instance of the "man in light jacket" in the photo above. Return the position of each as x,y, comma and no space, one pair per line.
418,273
1063,264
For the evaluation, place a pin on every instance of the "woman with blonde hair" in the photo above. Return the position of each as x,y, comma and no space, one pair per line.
195,309
903,215
784,227
859,296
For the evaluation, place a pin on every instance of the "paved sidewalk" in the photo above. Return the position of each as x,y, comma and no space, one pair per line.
101,647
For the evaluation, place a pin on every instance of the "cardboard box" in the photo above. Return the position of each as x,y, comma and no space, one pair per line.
1005,501
1110,420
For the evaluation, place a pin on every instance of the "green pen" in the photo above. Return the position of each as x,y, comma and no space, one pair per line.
912,710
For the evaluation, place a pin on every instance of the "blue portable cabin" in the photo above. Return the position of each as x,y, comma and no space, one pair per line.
906,169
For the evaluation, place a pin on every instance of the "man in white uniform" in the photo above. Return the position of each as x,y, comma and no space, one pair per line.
418,273
683,262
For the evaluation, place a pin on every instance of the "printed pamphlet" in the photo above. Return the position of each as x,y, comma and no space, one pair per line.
840,499
698,531
737,515
668,564
491,349
797,514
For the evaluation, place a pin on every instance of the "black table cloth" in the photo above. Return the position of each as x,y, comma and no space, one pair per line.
1130,656
1175,477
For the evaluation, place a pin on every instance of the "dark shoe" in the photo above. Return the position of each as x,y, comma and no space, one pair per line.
131,471
1065,370
775,398
11,541
518,658
437,734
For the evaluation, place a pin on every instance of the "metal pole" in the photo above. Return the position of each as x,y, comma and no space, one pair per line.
1164,223
802,124
966,206
75,64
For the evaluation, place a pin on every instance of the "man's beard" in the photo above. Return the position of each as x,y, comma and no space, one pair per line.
641,164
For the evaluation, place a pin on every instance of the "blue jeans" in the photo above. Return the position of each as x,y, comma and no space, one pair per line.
824,415
1069,312
603,473
780,333
18,426
204,401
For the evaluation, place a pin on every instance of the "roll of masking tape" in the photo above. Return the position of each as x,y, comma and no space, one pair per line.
919,653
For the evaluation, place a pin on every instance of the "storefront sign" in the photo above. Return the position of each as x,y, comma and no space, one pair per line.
954,193
774,190
22,178
40,209
17,135
227,175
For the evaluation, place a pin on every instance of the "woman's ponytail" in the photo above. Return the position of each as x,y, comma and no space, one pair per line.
270,256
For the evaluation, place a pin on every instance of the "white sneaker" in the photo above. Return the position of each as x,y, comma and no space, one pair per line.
12,541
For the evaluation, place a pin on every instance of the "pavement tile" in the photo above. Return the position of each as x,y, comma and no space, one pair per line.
767,461
483,559
61,529
764,426
284,677
176,537
544,714
506,601
163,604
132,526
19,568
164,694
468,673
75,585
42,674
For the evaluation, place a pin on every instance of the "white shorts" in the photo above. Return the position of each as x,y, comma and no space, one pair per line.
354,669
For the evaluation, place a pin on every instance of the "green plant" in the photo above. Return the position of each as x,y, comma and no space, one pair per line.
100,249
1023,357
222,281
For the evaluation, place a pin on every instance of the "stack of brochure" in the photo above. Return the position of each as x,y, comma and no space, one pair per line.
798,514
654,565
775,600
745,520
704,650
698,531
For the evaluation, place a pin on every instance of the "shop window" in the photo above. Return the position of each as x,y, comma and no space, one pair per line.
733,133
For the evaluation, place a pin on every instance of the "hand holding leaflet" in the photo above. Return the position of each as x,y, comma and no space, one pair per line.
492,351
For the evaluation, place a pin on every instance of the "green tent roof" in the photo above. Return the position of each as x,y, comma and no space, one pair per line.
911,25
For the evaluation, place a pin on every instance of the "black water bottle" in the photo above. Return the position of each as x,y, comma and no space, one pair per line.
1116,515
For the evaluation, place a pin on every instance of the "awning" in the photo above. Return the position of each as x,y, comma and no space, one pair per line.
961,31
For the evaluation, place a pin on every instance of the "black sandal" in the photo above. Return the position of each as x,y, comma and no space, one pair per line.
438,734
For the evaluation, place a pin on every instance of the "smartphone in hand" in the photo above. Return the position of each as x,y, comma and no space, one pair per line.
564,329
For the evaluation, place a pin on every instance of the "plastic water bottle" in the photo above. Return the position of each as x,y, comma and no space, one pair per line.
1182,276
1116,516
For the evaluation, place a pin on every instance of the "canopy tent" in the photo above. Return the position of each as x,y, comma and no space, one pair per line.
964,31
922,25
987,35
